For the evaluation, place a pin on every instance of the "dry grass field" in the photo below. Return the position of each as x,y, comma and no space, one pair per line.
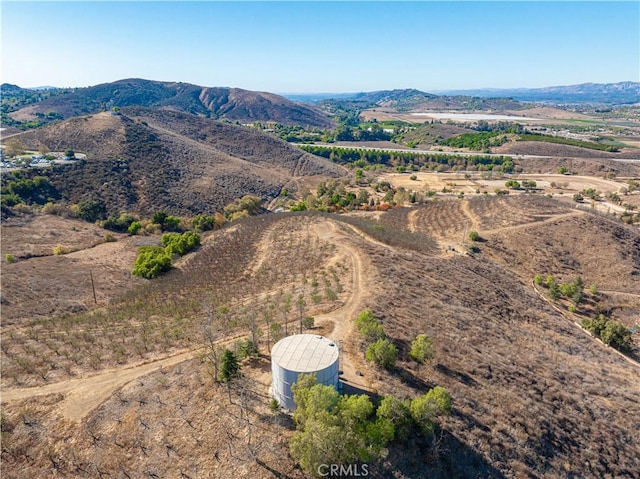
125,388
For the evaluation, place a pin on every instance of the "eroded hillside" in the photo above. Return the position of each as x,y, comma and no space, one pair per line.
147,160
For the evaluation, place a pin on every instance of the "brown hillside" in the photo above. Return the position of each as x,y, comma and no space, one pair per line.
230,103
146,160
115,392
541,148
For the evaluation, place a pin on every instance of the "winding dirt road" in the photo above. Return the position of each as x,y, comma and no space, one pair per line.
83,395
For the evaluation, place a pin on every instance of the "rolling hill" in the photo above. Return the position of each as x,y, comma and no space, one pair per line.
533,395
148,159
234,104
411,99
606,93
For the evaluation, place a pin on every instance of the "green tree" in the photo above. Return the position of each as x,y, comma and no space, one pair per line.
229,366
369,326
474,236
397,412
92,211
334,429
513,184
615,334
422,349
383,353
151,262
425,409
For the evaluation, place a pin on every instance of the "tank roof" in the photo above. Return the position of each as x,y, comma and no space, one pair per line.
304,353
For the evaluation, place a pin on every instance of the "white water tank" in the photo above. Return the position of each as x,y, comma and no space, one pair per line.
302,354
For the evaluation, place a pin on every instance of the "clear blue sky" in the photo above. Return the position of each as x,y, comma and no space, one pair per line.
321,46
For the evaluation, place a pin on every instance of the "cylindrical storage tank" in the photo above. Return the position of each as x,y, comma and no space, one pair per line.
302,354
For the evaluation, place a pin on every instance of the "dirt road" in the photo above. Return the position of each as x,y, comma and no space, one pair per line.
83,395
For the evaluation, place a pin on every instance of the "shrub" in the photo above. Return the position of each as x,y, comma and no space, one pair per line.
368,326
60,250
203,223
92,211
308,322
120,223
151,262
9,258
616,335
246,348
474,236
109,238
134,228
422,349
382,353
180,244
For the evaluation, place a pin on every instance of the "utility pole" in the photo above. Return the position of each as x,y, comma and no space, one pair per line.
93,287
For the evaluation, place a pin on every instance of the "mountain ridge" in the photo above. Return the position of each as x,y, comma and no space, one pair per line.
233,104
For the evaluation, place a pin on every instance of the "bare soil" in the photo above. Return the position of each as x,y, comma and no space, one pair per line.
125,390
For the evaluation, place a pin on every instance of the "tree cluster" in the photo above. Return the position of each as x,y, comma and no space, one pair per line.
350,429
612,333
17,189
152,261
410,160
382,352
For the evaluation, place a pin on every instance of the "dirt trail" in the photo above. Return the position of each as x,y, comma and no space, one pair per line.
551,219
83,395
342,318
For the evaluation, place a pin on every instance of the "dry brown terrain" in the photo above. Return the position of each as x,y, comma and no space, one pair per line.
125,390
145,160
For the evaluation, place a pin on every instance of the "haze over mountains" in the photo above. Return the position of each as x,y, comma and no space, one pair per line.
605,93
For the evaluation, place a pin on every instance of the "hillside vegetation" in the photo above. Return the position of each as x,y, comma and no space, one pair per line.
232,104
532,395
145,160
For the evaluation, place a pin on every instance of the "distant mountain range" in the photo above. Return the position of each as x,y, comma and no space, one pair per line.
600,93
604,93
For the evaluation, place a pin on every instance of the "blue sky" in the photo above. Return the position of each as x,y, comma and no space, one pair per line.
321,46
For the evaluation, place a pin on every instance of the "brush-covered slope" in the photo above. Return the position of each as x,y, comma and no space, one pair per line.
232,103
149,159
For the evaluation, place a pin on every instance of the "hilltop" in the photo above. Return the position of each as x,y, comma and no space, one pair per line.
405,100
144,160
233,104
